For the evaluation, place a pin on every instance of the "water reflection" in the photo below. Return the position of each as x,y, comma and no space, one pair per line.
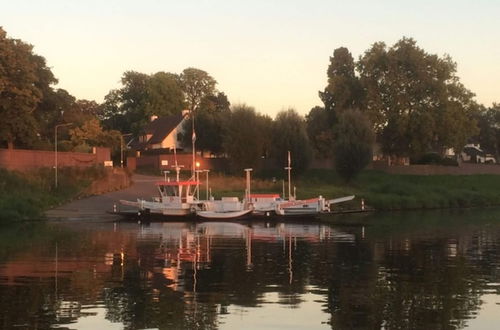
414,270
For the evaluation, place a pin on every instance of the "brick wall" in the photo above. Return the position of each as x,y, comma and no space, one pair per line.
22,160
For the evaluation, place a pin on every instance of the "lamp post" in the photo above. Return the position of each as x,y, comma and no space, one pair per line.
121,148
55,149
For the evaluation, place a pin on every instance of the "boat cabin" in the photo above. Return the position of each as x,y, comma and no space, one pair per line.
177,191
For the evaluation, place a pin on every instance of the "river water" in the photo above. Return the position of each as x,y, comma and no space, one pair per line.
410,270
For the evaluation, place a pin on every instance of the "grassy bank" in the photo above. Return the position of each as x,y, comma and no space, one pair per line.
380,190
27,195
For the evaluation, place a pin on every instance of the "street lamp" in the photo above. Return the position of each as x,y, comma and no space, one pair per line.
121,148
55,149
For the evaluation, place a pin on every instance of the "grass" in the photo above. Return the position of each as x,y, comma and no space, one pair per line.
380,190
27,195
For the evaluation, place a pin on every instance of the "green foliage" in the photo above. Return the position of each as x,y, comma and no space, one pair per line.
489,129
415,99
354,139
196,85
23,77
344,90
245,137
320,132
289,133
27,195
129,109
211,118
92,134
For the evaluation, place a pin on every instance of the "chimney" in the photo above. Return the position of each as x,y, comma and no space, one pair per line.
154,117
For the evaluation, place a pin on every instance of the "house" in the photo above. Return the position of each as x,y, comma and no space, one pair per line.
474,154
162,133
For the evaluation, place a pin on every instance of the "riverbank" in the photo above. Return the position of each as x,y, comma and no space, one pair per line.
379,190
27,195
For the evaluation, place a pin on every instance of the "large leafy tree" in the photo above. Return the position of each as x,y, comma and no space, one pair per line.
23,78
211,119
245,137
415,100
290,134
353,145
344,90
319,130
129,108
196,85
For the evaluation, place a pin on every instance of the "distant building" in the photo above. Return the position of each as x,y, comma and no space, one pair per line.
474,154
162,133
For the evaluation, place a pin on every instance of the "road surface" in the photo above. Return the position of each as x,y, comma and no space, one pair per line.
97,206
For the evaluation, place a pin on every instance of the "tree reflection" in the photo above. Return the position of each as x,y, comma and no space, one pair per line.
403,272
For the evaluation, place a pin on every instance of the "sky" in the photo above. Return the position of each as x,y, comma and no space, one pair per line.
272,55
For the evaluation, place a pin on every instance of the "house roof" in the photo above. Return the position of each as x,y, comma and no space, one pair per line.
159,129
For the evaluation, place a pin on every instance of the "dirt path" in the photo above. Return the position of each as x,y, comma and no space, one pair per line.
97,206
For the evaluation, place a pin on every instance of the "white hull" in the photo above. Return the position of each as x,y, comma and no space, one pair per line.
222,215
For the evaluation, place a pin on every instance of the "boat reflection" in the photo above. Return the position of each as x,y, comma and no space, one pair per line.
186,247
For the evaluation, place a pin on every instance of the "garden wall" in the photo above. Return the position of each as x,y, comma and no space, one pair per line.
23,160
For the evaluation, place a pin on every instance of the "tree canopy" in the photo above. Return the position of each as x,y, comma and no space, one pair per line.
353,145
23,78
211,119
245,136
130,108
197,85
290,134
415,99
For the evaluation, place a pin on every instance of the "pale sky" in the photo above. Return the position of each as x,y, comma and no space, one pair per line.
268,54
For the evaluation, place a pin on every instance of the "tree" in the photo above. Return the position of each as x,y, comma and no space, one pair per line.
415,99
210,121
320,133
196,84
489,129
22,76
354,139
91,134
344,90
50,112
130,108
290,134
244,137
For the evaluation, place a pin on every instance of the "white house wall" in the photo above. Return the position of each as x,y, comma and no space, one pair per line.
171,139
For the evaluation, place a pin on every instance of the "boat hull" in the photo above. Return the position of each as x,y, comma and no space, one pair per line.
223,215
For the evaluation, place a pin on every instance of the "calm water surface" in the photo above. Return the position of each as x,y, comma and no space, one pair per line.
431,270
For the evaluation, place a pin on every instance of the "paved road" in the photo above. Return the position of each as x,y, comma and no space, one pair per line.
97,206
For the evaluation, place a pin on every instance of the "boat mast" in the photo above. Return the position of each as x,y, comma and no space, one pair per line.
247,190
193,140
289,168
